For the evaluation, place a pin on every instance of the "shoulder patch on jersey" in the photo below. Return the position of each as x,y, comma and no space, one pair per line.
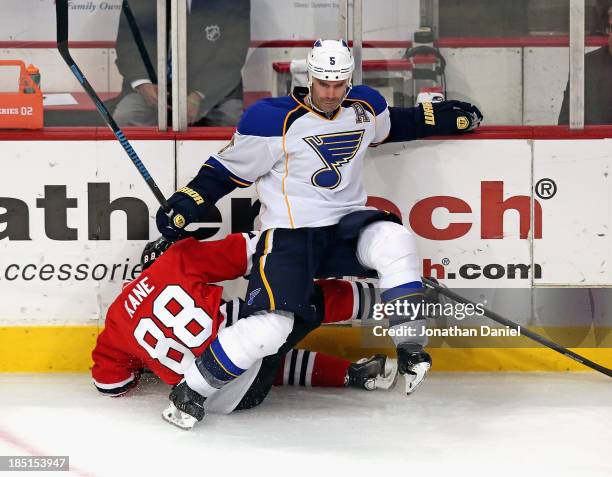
370,96
266,117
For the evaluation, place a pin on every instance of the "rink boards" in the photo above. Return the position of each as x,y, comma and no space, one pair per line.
489,214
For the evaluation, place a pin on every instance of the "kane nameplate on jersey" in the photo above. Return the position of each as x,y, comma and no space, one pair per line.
308,167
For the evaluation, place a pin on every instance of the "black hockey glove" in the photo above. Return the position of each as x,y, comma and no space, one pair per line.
187,206
153,250
449,117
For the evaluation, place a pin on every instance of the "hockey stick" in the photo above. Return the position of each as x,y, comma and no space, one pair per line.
61,11
129,16
511,324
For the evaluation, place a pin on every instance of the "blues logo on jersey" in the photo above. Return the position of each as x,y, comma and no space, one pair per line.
334,150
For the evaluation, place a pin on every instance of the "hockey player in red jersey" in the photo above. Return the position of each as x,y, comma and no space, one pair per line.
170,314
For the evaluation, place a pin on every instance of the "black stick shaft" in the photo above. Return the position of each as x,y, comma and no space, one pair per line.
146,59
530,334
61,10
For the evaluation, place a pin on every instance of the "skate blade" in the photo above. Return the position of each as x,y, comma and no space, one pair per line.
177,417
389,380
416,377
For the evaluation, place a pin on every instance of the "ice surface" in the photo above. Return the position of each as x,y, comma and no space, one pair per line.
455,425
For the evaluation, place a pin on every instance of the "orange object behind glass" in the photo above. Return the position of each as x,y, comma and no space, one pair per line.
21,110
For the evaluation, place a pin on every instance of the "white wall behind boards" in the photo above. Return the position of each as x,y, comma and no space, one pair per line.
98,20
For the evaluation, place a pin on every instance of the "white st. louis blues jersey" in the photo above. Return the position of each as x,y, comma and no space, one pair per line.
307,167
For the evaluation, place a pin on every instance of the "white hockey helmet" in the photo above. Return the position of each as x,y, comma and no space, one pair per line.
330,60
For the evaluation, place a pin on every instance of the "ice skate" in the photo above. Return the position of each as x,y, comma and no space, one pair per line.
376,372
186,407
413,363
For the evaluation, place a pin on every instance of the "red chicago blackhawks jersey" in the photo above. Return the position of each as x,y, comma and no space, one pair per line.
169,314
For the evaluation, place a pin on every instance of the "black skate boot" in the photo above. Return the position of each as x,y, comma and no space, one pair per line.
413,363
186,407
376,372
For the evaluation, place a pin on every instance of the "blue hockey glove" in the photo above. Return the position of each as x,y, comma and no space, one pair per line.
450,117
187,206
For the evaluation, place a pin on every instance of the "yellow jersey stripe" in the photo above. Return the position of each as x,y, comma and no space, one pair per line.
221,364
244,184
262,263
408,296
287,164
313,111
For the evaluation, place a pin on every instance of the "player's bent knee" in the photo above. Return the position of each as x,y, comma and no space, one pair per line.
390,249
256,336
236,349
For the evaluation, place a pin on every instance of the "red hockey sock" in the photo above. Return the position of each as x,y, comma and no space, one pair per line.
347,300
307,368
339,300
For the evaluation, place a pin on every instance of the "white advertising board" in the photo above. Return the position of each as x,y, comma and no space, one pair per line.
74,217
469,212
573,177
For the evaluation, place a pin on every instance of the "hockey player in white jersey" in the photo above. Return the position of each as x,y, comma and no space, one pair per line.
305,152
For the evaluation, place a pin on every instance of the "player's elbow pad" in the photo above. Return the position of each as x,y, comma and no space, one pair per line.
405,125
